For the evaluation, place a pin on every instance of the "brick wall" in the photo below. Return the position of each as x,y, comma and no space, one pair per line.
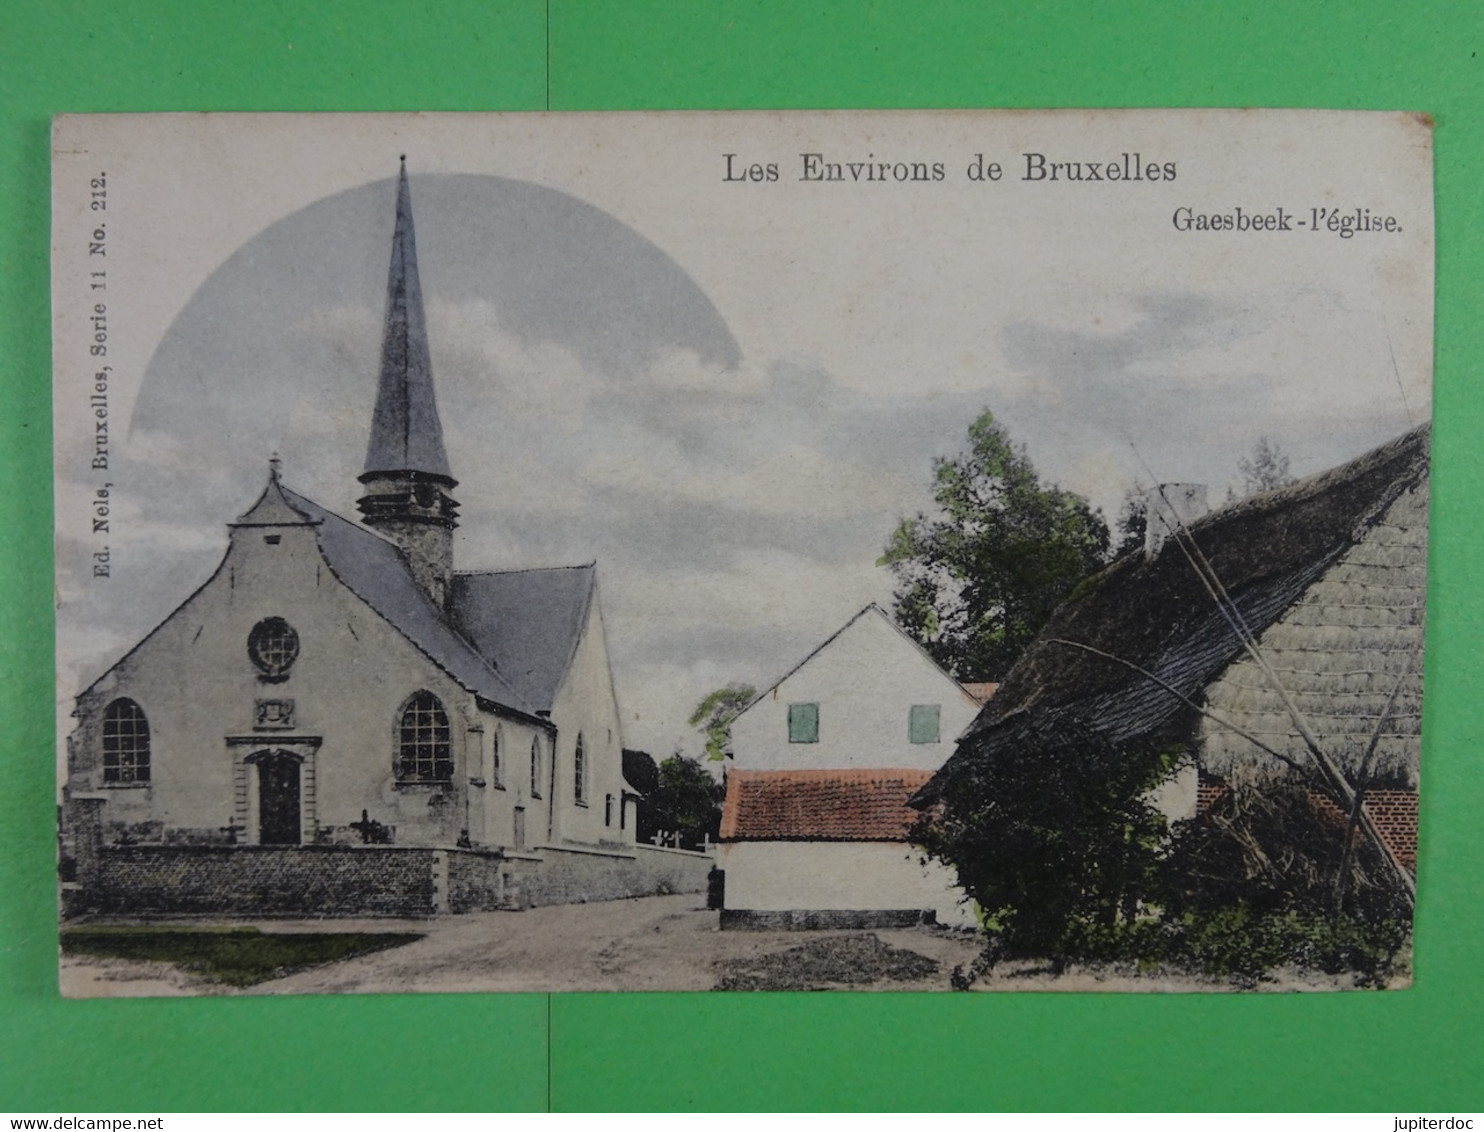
1209,790
1394,814
1393,811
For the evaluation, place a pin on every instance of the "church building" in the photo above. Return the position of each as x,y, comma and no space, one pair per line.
340,721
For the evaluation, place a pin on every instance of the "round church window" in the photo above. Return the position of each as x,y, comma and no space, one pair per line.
273,645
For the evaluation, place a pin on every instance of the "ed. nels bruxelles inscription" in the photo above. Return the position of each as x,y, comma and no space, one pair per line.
1127,168
101,503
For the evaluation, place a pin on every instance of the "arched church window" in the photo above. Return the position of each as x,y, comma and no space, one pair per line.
579,772
125,743
536,767
273,646
424,749
497,772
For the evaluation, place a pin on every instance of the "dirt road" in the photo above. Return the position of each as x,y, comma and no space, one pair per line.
655,943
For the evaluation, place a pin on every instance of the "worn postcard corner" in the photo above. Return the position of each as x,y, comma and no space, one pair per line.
912,550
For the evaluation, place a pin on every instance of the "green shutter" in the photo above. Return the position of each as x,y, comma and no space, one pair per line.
803,723
922,723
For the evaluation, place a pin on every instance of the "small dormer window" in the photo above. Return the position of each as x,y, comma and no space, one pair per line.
273,647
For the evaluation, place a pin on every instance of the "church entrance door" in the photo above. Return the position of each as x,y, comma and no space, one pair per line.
278,799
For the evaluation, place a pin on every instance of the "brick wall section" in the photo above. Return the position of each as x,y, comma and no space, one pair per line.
253,880
1393,810
1394,813
1208,792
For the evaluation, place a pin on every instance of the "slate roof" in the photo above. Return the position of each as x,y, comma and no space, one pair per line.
376,572
526,623
820,805
406,434
1268,550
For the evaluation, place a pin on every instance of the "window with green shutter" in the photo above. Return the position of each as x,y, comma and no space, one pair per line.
803,723
922,723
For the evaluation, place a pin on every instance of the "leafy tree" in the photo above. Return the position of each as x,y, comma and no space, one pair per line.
686,800
1133,522
1057,851
1265,469
714,715
640,771
977,579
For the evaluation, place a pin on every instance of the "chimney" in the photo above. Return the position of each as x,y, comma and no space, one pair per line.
1169,508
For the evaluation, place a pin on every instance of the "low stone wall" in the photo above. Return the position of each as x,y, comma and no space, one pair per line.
576,876
329,880
260,880
478,881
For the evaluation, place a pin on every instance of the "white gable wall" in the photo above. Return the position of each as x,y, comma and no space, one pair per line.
865,681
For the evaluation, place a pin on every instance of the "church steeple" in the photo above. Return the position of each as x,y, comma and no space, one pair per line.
407,476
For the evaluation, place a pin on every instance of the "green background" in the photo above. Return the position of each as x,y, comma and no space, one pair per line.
1417,1049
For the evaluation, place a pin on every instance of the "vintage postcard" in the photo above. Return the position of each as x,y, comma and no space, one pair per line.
852,550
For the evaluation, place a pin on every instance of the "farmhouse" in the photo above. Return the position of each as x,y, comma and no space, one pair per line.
337,721
1326,578
815,822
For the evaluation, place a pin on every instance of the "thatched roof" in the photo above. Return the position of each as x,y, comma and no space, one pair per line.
1332,567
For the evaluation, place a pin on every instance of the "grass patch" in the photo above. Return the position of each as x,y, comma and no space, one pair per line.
239,957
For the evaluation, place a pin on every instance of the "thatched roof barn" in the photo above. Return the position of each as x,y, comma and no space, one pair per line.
1327,574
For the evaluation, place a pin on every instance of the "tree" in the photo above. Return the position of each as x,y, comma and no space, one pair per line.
978,579
1060,852
640,771
1265,469
714,715
687,801
1133,522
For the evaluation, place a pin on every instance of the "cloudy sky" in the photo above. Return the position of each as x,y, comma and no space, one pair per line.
726,393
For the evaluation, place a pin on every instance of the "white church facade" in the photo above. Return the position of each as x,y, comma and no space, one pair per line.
339,721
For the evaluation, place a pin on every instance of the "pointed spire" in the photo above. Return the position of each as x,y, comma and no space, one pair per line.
406,435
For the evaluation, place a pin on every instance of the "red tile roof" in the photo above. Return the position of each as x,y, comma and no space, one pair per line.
820,805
